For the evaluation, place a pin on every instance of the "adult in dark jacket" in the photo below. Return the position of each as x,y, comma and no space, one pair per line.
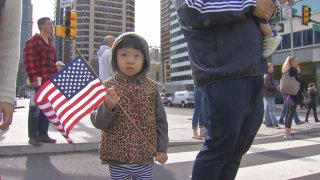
312,102
270,91
225,46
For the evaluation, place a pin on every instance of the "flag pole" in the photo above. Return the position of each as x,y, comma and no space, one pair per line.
121,107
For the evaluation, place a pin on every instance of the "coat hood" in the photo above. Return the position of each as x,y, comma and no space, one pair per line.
145,52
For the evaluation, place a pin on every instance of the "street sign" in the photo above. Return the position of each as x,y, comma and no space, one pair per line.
279,27
316,27
286,11
65,3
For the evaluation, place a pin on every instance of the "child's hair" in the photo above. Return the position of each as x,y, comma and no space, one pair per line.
127,42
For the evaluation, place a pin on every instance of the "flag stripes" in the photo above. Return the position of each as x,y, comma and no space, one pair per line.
83,96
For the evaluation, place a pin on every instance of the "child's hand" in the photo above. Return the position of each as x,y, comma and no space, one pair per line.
111,100
161,157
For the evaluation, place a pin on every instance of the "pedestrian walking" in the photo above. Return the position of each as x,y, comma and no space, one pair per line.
312,102
132,117
220,38
10,31
39,60
104,54
290,66
270,91
296,119
197,118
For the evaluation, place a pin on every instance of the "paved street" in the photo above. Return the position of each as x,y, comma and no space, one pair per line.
270,158
269,155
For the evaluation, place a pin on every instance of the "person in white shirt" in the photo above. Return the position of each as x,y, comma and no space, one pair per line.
103,58
10,30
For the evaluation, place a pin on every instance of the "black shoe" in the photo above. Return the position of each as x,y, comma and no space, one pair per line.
281,122
277,126
299,122
47,139
34,142
316,121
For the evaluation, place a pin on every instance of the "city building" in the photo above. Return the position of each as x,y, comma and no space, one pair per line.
154,71
179,56
165,41
99,18
306,45
26,25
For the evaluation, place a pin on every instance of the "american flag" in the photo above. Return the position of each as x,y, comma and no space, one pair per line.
70,95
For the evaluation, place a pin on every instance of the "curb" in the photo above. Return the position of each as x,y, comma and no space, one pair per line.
64,147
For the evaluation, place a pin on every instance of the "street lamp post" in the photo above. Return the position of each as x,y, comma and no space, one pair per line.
164,63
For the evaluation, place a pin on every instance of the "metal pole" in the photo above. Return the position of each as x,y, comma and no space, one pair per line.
163,78
67,55
291,33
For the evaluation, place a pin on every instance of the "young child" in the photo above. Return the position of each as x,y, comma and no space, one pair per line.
129,150
271,41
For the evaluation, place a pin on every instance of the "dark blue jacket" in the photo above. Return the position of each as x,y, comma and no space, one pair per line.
223,38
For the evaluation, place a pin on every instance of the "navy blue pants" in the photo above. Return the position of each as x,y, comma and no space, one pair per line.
232,112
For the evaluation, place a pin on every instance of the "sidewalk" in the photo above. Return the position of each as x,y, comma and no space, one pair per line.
85,137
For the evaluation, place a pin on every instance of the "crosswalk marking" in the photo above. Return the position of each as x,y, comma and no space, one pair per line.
259,148
283,145
281,170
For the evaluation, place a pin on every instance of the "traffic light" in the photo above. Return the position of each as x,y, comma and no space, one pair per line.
71,24
60,31
305,18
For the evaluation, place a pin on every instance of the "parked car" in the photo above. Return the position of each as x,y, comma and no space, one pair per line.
182,99
165,97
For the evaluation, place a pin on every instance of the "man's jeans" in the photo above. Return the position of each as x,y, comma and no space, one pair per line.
270,111
232,112
38,123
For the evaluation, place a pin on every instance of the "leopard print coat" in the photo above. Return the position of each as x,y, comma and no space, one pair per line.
122,142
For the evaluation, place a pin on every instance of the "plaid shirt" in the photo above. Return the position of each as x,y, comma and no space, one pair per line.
39,58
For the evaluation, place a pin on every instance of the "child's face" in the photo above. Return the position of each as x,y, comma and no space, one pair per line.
130,61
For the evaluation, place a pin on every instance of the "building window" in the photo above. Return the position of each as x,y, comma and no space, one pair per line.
297,39
316,37
286,41
307,37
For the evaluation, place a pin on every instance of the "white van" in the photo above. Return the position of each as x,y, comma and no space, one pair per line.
182,98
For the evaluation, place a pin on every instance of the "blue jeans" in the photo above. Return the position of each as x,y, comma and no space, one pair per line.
270,111
196,118
232,111
284,110
38,124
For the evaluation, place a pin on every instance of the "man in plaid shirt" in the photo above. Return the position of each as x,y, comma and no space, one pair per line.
39,58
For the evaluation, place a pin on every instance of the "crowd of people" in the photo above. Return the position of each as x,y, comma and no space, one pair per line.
290,101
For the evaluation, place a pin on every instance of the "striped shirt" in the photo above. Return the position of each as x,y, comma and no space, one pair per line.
205,6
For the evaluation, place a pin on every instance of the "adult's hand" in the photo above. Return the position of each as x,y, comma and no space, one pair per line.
264,9
6,109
